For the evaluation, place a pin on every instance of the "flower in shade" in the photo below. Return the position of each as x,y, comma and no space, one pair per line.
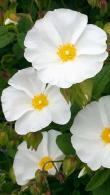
31,104
64,48
91,134
28,161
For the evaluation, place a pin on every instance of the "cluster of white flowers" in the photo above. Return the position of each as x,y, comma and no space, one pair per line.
63,50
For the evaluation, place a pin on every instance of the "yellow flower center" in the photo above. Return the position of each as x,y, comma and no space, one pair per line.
40,101
106,135
67,52
45,163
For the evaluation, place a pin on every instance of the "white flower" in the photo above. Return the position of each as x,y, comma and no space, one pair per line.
64,48
28,161
31,104
91,134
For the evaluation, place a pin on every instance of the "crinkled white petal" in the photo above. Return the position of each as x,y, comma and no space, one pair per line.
64,75
88,122
106,156
68,23
51,149
27,81
88,150
104,104
24,164
43,34
92,41
59,108
33,121
15,103
41,59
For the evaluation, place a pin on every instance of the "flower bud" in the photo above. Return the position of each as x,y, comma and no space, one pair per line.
103,5
11,18
40,177
61,177
69,165
33,139
82,172
107,28
3,138
93,3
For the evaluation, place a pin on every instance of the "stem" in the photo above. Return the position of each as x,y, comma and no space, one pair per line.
53,164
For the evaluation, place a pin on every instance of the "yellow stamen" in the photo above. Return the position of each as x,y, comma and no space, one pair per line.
106,135
67,52
45,163
40,101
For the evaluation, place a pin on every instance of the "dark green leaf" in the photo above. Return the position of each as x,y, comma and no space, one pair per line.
21,38
64,143
6,38
100,81
25,24
98,179
104,189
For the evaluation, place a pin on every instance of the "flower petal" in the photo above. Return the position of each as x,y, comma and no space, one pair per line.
92,41
64,75
69,24
24,164
38,58
89,151
106,156
27,81
51,143
33,121
104,105
15,103
43,35
58,106
88,122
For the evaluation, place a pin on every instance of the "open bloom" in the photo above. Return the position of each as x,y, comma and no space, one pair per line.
31,104
91,134
64,48
28,161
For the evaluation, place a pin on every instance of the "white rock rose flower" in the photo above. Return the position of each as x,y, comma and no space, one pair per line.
31,104
64,48
28,161
91,134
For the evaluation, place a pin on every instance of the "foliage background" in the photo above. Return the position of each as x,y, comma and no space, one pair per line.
66,182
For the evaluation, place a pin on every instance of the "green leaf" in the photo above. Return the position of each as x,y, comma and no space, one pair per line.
3,30
64,143
25,24
6,38
18,51
98,179
100,81
104,189
21,37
